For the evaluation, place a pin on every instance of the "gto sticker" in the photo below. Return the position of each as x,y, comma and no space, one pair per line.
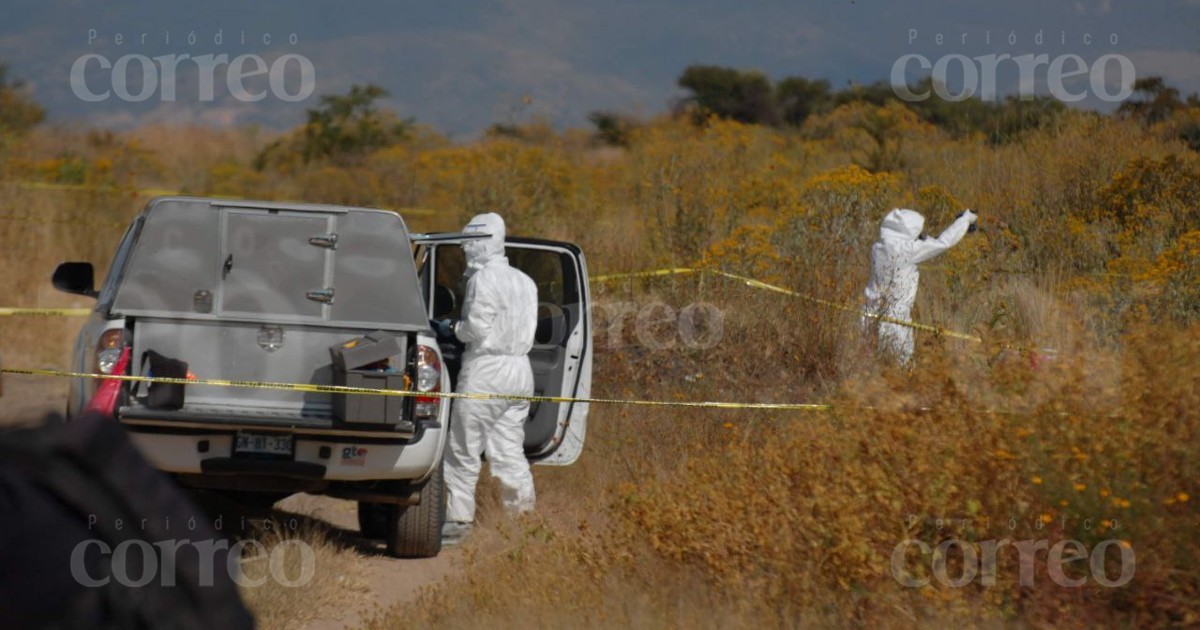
354,456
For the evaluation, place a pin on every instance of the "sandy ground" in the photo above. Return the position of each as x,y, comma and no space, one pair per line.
390,580
27,400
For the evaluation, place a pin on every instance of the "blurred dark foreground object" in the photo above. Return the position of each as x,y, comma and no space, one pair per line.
80,515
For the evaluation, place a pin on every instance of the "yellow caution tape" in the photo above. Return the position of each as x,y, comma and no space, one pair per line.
758,284
72,187
75,312
937,330
751,282
163,192
343,389
421,212
151,192
643,274
48,221
107,188
52,312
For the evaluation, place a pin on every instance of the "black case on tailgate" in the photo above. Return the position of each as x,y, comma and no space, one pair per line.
366,362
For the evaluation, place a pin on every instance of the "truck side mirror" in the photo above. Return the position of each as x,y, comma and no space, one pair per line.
75,277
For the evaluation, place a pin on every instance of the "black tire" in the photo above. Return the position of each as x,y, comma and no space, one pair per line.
373,519
415,531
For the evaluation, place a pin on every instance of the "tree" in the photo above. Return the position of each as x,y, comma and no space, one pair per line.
885,125
798,98
878,94
1156,103
1190,135
1000,122
1015,116
18,111
612,129
744,96
343,130
750,97
349,126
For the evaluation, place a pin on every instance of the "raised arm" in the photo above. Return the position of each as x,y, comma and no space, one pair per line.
931,247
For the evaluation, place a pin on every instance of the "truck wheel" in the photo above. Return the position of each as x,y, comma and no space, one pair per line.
415,531
373,520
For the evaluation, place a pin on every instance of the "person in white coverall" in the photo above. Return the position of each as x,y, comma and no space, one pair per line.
892,288
499,319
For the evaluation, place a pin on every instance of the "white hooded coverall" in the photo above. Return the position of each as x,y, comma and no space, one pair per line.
499,319
892,288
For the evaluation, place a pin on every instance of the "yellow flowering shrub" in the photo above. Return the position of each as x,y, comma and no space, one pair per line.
1176,276
523,182
1088,244
696,185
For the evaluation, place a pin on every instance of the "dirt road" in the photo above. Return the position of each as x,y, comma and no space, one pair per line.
387,581
27,399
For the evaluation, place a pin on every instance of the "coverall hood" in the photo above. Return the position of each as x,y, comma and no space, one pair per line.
480,252
902,224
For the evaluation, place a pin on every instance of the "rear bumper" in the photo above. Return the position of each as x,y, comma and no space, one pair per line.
208,451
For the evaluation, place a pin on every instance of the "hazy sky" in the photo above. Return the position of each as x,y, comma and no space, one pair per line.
462,65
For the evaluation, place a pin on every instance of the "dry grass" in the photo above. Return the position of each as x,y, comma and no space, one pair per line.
678,518
313,576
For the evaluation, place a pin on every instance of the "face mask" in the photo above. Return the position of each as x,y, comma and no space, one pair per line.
478,251
471,251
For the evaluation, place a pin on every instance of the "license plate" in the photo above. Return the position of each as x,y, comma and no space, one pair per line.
261,444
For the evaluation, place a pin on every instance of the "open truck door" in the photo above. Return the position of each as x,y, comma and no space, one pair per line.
562,351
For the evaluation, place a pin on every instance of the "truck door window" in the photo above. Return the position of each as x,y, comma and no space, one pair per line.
450,265
545,267
112,278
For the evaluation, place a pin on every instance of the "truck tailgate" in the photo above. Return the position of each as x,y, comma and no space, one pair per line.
247,351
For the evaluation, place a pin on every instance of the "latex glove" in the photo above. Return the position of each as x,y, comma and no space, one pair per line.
972,217
443,327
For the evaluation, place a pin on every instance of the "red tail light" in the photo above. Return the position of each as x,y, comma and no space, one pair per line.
104,401
427,378
112,345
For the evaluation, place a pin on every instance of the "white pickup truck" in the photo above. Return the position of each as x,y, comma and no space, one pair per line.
295,293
